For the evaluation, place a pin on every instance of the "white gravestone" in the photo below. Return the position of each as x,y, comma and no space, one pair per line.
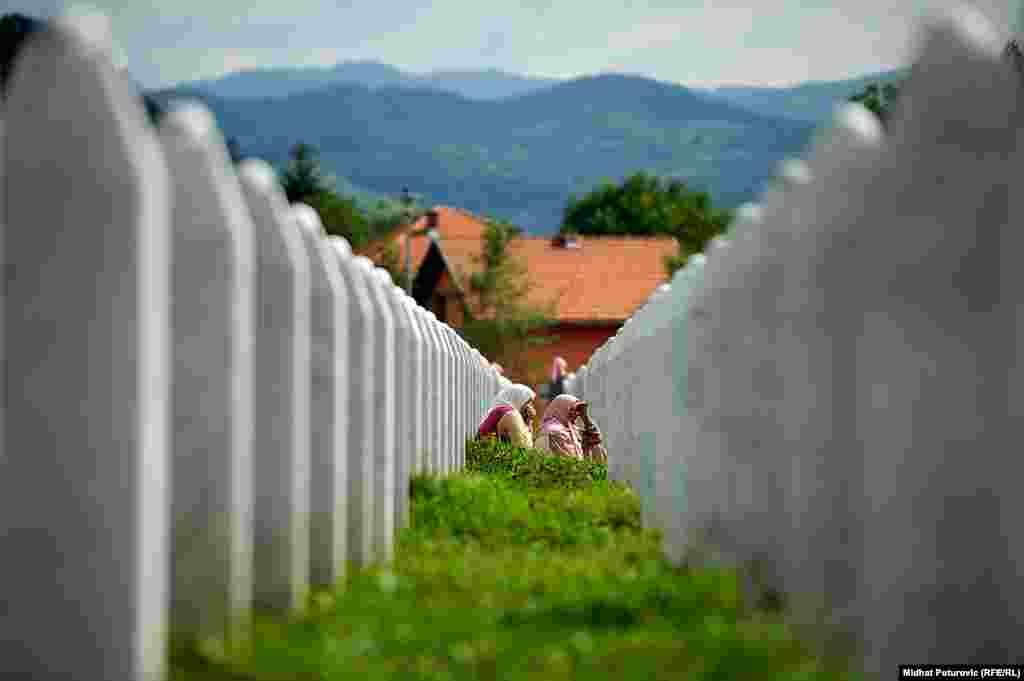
328,490
383,408
213,303
281,396
361,427
402,388
84,519
932,358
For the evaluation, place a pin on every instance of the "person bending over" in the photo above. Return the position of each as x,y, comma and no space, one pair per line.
510,417
567,430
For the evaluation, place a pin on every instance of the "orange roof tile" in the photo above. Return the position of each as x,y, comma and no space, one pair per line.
605,279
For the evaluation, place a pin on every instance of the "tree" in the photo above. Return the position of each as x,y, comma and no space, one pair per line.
234,150
303,177
648,205
498,321
340,217
879,100
304,182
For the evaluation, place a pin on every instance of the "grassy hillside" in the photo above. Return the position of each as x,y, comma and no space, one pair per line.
524,568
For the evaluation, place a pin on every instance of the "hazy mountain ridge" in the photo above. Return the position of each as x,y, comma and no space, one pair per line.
518,158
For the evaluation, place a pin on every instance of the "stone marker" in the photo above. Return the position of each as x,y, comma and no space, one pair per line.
383,407
281,396
932,359
84,510
328,491
213,295
402,388
361,428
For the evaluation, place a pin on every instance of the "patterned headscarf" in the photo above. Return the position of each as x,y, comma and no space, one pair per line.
515,395
556,421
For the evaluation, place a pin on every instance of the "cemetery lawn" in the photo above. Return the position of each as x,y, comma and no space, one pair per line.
523,567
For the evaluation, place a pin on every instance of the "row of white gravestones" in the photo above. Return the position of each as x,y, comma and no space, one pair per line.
829,397
213,405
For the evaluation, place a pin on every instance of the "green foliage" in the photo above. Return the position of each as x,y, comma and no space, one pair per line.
646,205
531,467
303,178
391,260
525,578
499,323
879,100
340,217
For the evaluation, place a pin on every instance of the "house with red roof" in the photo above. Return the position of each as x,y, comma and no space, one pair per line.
591,284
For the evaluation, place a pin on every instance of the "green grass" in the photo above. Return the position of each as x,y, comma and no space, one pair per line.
524,567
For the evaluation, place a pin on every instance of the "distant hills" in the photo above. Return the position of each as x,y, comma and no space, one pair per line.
283,82
500,144
812,101
517,158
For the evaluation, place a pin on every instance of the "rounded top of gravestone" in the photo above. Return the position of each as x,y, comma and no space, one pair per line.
663,289
719,244
698,260
749,212
341,245
384,277
89,27
969,24
307,219
190,120
856,120
258,174
363,263
793,171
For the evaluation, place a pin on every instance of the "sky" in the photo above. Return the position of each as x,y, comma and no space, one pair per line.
698,43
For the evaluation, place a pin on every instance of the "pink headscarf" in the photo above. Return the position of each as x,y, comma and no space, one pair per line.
556,422
558,368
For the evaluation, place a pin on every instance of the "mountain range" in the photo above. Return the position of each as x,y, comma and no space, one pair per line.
811,101
517,158
517,147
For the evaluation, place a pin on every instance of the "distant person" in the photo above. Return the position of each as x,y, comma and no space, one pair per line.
559,368
511,416
560,434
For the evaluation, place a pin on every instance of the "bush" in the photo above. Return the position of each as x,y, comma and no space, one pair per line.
531,467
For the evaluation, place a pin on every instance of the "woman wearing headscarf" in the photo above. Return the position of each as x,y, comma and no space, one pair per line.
510,417
560,434
558,370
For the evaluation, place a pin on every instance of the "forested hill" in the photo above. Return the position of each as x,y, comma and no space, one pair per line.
517,158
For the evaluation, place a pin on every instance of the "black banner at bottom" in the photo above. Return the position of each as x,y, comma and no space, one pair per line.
961,671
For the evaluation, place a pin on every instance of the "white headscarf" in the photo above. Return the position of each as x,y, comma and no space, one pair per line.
515,395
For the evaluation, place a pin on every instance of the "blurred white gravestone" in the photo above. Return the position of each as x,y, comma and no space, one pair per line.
425,425
437,398
822,513
429,387
3,157
401,387
413,397
213,295
281,396
328,487
361,436
383,408
84,519
931,408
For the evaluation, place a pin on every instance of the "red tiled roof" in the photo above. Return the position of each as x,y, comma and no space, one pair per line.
605,279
